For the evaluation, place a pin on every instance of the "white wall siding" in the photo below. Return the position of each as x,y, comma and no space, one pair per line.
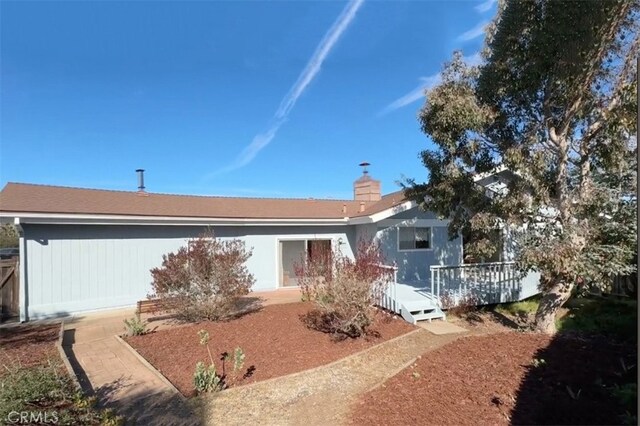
81,268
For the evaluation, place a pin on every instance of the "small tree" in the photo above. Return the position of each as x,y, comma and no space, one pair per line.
204,279
554,102
344,289
8,236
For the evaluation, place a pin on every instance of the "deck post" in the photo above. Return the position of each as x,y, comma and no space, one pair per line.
432,274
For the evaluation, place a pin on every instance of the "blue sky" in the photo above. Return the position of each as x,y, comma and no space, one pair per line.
269,99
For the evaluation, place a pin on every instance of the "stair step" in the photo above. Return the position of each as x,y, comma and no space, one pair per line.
429,316
417,306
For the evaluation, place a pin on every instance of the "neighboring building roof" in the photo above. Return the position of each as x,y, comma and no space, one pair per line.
29,198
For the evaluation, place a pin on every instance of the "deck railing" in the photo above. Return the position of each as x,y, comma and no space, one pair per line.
483,283
387,298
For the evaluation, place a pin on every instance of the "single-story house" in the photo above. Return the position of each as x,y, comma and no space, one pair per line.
87,249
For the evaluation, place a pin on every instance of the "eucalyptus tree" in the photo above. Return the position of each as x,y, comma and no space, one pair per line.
554,102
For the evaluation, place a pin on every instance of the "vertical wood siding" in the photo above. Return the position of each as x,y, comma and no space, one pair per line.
82,268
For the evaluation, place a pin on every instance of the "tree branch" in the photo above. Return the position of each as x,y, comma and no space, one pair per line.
595,63
615,99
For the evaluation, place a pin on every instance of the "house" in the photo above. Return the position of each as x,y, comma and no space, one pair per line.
87,249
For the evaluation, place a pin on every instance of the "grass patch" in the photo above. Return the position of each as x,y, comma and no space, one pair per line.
46,394
521,308
607,316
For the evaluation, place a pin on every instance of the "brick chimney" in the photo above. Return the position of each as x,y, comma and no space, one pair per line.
365,188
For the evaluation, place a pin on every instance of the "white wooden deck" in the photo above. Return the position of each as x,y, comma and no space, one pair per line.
481,284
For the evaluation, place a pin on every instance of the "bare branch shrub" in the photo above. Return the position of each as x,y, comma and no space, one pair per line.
203,280
343,289
465,305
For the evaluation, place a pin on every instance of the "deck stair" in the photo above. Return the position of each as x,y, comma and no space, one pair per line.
412,303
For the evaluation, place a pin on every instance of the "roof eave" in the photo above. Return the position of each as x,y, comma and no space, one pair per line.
97,219
384,214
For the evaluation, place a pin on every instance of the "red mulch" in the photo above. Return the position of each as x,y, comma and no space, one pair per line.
28,345
274,339
491,380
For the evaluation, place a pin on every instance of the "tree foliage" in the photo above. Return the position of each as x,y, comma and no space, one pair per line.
554,103
203,280
8,236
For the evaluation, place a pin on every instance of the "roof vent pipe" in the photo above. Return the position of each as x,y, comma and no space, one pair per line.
140,180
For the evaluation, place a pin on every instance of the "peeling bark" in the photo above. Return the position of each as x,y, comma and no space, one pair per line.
552,300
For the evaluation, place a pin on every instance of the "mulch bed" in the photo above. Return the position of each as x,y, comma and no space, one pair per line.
28,345
274,339
495,379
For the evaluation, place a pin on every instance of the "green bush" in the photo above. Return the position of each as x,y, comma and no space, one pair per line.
206,378
610,317
49,392
135,326
521,308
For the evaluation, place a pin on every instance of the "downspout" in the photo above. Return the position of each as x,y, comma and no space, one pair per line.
22,272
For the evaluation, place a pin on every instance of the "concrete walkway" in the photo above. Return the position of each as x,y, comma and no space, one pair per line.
108,370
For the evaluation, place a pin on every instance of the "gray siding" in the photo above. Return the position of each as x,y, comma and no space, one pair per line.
413,266
80,268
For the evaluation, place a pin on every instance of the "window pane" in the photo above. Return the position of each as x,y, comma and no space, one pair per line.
406,238
423,238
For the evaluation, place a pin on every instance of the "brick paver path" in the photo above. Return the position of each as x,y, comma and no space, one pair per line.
110,371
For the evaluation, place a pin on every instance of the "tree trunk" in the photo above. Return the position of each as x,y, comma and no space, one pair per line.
552,300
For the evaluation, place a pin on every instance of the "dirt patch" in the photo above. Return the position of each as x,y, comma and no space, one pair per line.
28,345
274,339
505,378
485,322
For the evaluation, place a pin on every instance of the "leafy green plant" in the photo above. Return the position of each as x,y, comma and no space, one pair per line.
135,326
614,318
626,394
47,388
521,308
206,378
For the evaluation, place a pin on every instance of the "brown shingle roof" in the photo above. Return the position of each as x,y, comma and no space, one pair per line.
30,198
386,202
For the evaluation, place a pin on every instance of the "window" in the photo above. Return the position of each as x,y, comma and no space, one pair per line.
411,238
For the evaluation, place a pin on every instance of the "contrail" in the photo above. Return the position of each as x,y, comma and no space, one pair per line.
426,83
309,72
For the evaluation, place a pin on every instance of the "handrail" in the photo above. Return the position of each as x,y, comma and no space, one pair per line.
471,265
381,266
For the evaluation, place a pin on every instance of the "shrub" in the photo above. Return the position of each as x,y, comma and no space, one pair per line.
204,279
343,289
463,306
48,392
135,326
206,378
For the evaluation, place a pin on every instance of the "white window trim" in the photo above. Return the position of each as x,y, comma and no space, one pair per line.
415,249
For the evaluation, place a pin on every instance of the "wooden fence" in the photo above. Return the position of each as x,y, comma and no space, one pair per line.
9,288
